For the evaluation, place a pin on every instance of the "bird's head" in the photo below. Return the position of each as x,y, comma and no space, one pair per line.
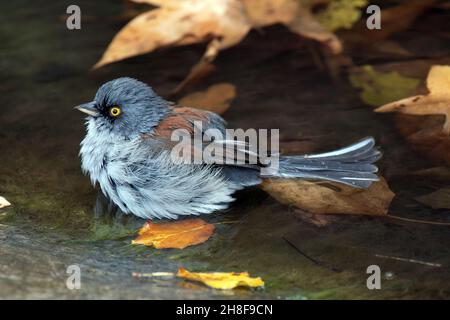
125,107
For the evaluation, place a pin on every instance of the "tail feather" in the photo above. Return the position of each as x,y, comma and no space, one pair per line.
352,165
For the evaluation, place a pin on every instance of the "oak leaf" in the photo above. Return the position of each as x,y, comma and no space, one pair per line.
436,102
331,198
222,280
178,234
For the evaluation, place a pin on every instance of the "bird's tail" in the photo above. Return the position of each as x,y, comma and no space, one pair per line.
352,165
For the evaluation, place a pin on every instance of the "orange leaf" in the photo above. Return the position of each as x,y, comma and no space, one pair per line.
222,280
178,234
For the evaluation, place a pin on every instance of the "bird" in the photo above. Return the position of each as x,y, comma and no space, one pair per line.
127,152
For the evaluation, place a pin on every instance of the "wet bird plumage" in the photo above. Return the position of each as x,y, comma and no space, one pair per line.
129,157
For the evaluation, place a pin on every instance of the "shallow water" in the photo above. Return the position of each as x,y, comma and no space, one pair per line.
44,72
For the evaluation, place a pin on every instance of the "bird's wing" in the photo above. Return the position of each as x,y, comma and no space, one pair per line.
193,121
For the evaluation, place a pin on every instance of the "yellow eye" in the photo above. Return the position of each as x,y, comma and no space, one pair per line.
114,111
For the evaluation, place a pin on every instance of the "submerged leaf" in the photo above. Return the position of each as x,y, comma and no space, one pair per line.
178,234
222,280
379,88
331,198
439,199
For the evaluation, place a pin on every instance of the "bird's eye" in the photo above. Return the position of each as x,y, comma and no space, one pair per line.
115,111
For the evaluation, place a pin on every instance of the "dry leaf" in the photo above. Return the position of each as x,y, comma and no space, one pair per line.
295,16
177,23
222,280
178,234
319,198
437,102
217,98
439,199
4,203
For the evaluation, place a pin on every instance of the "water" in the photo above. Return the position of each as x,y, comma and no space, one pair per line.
44,72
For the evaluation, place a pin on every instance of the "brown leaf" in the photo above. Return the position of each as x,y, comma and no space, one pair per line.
295,16
340,199
439,199
178,234
178,23
437,102
217,98
222,280
4,203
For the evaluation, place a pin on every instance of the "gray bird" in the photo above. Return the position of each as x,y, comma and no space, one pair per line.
127,151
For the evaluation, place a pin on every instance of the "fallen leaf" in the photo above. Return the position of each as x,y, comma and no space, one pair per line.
217,98
436,102
177,23
4,203
439,199
178,234
379,87
222,280
336,199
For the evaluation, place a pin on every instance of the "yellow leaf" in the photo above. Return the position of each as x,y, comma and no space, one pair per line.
341,14
378,87
436,102
331,198
178,234
222,280
4,203
217,98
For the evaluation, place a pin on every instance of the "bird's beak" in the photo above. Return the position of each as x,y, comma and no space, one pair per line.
88,108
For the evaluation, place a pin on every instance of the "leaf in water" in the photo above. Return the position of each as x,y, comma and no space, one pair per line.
178,234
340,199
436,102
4,203
439,199
379,88
217,98
222,280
